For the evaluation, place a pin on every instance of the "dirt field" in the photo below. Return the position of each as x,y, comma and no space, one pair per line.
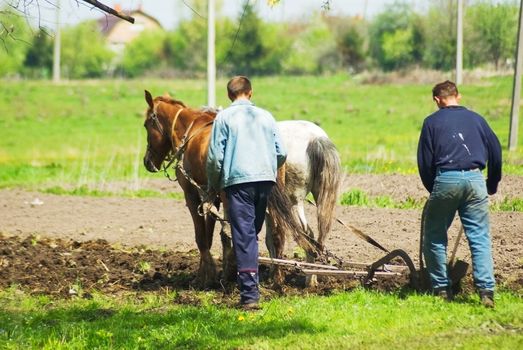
67,245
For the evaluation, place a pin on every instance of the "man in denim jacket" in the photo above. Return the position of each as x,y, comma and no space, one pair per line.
455,145
245,151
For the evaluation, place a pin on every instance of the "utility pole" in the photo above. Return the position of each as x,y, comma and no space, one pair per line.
57,46
516,91
211,59
459,45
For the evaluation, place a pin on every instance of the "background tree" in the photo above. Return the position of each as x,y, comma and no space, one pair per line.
396,37
440,52
313,50
493,28
145,53
39,57
249,48
351,35
186,47
84,51
15,38
351,47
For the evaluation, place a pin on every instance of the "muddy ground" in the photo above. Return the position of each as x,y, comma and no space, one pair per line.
69,245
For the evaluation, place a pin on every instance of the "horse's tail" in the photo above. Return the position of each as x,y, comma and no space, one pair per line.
325,178
285,220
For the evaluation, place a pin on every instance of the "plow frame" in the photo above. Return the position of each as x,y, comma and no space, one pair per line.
365,271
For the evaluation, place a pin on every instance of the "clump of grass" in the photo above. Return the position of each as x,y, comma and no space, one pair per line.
358,198
508,204
144,267
85,190
355,197
411,203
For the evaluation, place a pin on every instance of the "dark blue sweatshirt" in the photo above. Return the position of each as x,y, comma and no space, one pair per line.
456,138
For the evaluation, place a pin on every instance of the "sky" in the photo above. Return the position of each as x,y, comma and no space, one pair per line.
170,12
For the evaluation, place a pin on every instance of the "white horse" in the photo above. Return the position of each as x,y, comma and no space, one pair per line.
313,166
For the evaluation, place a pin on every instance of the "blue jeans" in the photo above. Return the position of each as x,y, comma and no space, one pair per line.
466,193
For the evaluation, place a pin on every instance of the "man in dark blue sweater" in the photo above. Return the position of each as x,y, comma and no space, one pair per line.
455,145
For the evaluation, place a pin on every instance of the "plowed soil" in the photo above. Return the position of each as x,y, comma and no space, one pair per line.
70,245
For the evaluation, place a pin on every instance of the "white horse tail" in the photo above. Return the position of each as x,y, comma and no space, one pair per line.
324,181
285,221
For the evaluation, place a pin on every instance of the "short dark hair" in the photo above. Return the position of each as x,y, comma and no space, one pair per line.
445,89
239,85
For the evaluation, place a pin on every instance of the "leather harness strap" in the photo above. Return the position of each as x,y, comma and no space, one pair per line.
173,125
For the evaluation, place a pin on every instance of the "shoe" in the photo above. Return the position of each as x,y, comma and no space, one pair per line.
487,298
443,293
250,306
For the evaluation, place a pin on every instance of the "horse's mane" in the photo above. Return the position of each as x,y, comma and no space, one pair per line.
170,100
210,112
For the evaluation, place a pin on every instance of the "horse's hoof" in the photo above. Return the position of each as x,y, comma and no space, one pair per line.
206,282
311,281
207,278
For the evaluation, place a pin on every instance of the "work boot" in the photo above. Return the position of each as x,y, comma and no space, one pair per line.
487,298
250,307
443,293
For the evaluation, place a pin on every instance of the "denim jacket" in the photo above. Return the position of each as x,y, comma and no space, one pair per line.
245,146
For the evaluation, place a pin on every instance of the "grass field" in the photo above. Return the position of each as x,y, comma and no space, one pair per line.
354,320
75,137
85,133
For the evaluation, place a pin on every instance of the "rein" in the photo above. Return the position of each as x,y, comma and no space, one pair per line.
170,158
175,159
176,154
206,207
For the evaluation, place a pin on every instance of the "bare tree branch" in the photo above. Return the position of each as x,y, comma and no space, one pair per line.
8,33
109,10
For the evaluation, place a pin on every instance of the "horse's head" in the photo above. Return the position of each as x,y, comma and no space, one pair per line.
159,131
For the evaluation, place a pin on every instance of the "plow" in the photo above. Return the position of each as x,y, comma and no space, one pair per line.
366,272
387,266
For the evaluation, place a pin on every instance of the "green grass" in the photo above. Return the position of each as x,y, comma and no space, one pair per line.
359,198
84,133
509,204
140,193
346,320
75,137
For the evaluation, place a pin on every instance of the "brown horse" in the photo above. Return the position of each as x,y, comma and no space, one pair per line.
167,123
174,130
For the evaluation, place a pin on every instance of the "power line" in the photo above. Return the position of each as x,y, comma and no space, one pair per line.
237,33
193,10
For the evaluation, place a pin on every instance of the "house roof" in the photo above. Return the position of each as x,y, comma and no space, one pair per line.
108,22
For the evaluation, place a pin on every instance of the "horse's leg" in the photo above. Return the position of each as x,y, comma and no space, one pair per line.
275,235
275,242
310,280
228,256
203,235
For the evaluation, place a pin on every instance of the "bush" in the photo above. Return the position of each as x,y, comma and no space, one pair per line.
145,53
186,47
313,50
396,37
84,52
493,30
39,57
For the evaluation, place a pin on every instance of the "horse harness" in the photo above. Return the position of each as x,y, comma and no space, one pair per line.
175,159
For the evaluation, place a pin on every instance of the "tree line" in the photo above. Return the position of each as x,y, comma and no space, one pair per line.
397,38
